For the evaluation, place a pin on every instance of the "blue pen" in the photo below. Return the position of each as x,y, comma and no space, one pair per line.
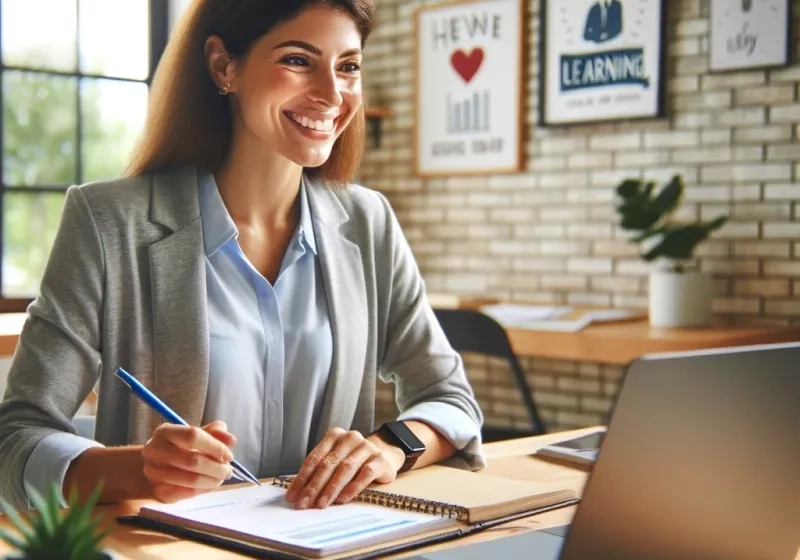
158,405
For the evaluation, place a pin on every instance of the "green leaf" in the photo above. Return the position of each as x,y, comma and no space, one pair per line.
98,535
19,524
668,199
68,535
638,219
76,516
72,531
54,502
46,520
647,191
647,234
642,211
94,497
629,188
12,540
79,529
716,223
83,547
44,530
678,242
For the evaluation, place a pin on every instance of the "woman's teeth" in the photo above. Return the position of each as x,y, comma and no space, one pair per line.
322,126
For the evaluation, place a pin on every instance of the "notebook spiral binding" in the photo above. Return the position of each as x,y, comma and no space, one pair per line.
397,501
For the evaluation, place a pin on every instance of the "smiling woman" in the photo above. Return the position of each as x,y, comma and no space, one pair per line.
273,75
238,275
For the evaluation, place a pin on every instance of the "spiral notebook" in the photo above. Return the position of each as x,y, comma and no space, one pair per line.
419,506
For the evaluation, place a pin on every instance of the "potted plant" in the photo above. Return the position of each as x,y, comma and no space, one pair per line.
49,533
680,294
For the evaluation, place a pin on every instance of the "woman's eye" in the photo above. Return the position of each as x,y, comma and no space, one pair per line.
295,60
351,67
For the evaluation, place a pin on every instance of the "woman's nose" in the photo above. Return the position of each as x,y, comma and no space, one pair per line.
326,89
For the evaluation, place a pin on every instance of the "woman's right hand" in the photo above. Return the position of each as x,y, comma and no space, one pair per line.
182,461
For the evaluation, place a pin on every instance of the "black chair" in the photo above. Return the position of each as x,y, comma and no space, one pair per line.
469,330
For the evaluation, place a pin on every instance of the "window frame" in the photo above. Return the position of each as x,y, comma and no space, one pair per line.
160,22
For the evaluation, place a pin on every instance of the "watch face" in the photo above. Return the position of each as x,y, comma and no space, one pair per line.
405,437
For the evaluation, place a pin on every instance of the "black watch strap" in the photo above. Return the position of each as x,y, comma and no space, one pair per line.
399,435
409,463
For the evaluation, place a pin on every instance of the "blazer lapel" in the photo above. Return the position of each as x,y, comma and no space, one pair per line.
180,323
343,274
178,287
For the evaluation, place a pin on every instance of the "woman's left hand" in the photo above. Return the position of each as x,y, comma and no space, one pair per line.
341,466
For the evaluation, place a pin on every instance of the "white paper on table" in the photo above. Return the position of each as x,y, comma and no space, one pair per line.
262,511
546,318
511,315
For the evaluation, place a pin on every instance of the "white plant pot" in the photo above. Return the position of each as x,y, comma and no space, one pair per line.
679,299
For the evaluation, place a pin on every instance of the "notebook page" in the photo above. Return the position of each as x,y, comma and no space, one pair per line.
487,496
262,512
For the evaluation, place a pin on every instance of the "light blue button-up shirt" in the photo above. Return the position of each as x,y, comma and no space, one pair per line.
270,346
270,352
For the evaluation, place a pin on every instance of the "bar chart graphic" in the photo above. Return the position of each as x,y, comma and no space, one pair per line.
469,88
469,115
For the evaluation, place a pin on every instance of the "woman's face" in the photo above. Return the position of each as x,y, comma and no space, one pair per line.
300,85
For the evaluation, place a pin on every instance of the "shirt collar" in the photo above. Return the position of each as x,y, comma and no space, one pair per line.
305,227
219,228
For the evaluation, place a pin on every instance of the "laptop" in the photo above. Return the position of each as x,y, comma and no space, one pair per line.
701,461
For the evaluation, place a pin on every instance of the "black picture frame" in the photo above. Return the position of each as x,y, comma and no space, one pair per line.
660,73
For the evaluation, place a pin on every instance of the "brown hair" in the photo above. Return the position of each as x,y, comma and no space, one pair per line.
189,123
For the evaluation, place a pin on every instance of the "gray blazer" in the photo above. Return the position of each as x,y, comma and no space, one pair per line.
125,286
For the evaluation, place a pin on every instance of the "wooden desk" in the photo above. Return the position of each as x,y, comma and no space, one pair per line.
10,327
618,343
509,458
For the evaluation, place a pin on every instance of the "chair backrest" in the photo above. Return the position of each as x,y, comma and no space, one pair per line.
469,330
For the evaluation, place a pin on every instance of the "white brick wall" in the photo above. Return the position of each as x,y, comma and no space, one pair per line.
550,233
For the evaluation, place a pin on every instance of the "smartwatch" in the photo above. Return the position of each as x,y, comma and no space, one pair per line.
399,435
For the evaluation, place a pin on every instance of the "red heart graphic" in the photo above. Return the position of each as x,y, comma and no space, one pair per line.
467,65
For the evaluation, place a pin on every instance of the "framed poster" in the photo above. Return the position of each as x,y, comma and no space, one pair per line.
469,99
601,60
748,34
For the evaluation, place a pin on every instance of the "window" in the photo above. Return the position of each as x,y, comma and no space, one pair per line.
74,89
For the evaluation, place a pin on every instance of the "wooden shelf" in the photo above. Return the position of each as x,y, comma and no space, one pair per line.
375,117
378,113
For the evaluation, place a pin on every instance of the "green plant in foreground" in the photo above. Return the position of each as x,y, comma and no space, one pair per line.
52,533
647,212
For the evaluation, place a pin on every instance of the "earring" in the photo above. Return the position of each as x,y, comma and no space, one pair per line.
225,89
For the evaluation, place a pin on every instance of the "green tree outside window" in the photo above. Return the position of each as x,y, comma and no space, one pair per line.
40,130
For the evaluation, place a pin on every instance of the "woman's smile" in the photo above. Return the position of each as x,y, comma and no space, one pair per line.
316,129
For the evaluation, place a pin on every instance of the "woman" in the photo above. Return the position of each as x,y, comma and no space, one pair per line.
236,275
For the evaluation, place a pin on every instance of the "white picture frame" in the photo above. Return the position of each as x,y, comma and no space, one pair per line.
469,97
749,34
601,60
